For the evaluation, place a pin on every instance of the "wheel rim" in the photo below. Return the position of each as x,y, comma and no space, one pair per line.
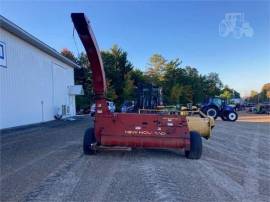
211,112
232,116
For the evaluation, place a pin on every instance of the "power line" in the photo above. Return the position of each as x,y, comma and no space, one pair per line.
76,45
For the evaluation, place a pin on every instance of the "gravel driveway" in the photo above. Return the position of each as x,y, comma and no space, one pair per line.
45,163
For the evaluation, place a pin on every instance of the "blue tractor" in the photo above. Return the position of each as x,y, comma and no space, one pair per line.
217,107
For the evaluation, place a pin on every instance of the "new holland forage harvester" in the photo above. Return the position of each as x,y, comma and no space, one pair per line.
132,129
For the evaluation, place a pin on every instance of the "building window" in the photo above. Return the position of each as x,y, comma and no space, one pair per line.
1,51
3,57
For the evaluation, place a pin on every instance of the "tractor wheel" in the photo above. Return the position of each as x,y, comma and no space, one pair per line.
212,111
232,116
195,151
88,140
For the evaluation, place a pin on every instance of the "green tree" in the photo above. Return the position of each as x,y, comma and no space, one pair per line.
176,93
229,93
180,85
195,87
110,94
253,93
266,87
128,89
265,93
156,67
83,76
188,94
116,66
172,80
226,94
194,81
68,54
263,96
213,85
138,77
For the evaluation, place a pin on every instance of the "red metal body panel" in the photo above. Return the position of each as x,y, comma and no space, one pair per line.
127,129
142,130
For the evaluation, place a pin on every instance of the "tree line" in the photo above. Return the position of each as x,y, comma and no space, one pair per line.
263,96
180,84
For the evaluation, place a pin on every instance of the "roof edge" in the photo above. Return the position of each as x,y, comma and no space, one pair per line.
22,34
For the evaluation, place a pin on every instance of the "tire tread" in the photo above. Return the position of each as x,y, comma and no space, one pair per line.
88,139
195,146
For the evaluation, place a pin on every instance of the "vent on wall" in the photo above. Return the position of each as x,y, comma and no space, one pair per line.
76,90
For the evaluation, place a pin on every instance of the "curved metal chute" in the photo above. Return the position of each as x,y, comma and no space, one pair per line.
83,28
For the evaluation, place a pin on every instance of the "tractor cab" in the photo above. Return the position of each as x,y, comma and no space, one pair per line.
218,102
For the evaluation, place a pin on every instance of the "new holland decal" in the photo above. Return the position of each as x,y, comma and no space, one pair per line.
144,132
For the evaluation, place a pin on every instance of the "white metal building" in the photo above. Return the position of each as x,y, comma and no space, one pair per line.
36,81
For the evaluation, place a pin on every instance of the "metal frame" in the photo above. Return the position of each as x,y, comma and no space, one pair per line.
127,129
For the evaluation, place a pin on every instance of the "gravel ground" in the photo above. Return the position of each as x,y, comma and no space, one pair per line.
45,163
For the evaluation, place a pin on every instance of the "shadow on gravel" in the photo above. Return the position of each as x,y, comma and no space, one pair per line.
142,153
46,125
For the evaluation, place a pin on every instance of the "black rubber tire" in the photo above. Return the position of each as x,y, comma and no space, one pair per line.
236,116
224,117
88,139
92,114
195,146
212,108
